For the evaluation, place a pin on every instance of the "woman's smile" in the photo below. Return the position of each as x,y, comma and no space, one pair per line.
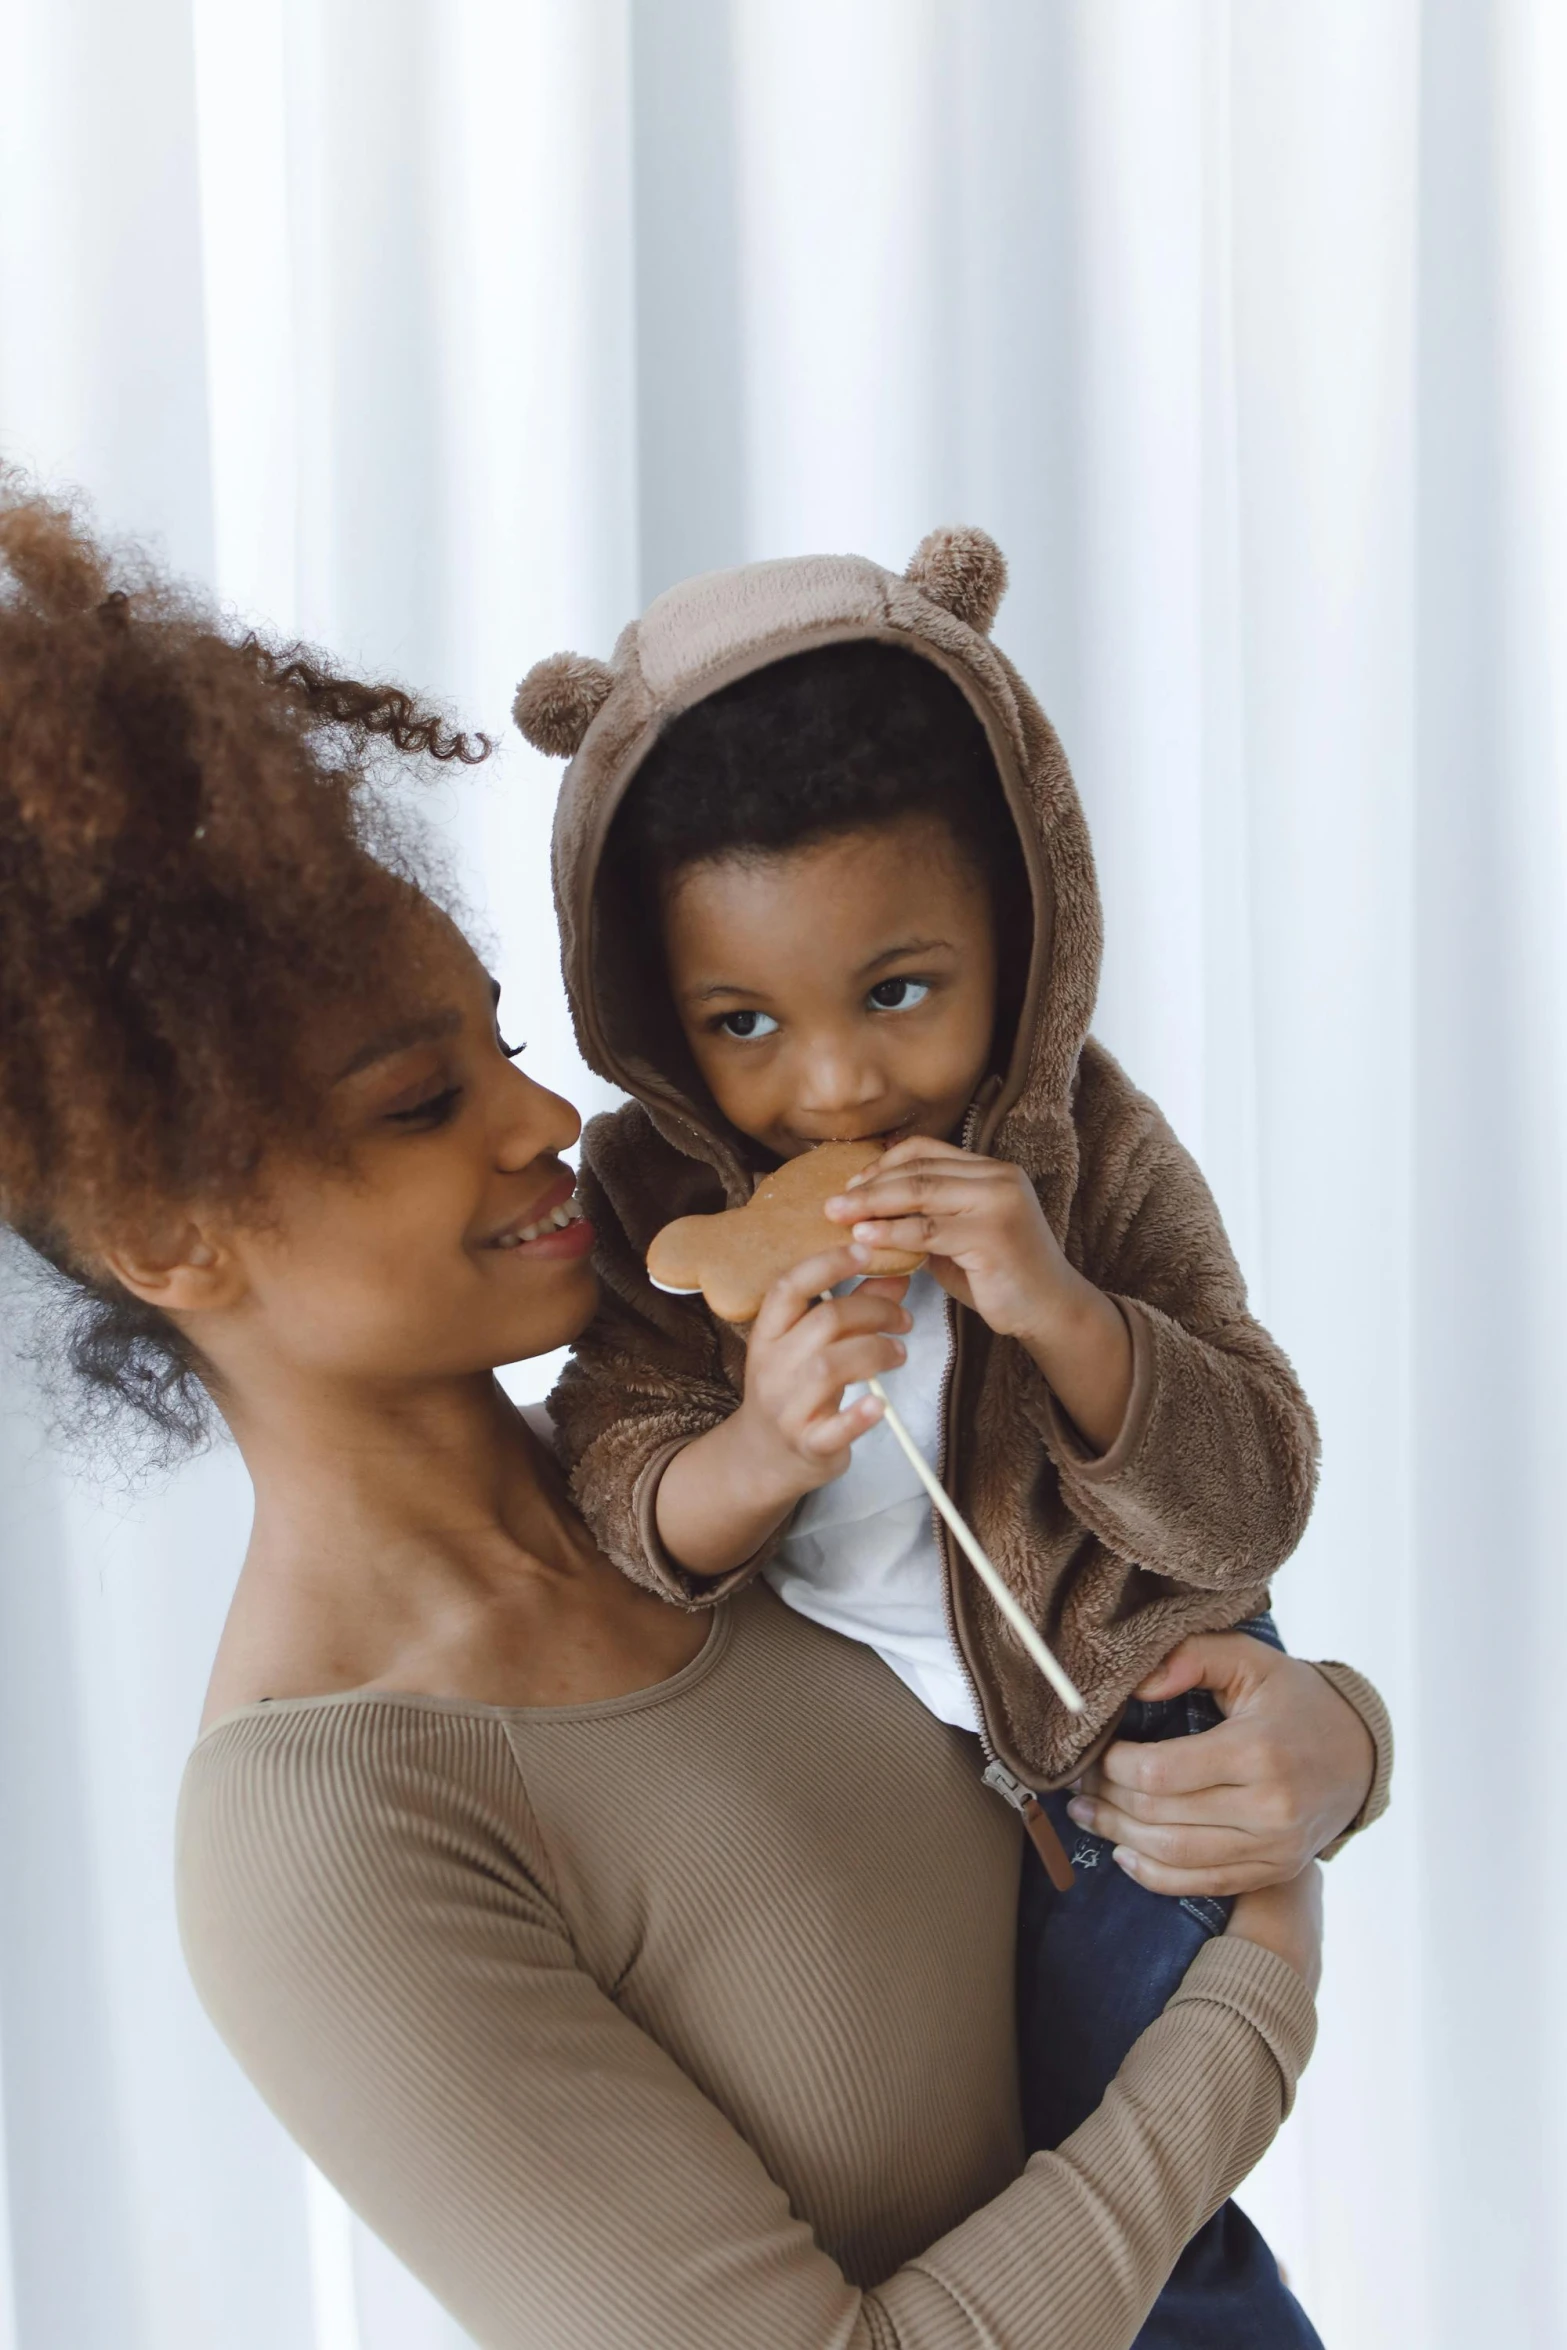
563,1232
555,1214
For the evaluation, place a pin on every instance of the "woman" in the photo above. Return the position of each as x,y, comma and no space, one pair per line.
604,1994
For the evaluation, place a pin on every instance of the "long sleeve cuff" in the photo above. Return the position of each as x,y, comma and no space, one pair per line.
665,1574
1064,1438
1366,1699
1257,1984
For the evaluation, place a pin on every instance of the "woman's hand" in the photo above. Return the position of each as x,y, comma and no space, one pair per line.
1286,1919
1247,1804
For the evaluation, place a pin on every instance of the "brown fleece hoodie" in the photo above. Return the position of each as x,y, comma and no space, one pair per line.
1208,1485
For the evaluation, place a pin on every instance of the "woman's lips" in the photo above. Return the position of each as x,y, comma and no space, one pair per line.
557,1219
572,1239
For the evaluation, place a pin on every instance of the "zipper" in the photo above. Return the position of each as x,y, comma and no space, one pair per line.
995,1775
1036,1820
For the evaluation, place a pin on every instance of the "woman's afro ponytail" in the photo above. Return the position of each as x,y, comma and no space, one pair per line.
197,852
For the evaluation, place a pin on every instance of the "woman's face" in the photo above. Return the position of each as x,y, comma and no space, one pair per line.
449,1241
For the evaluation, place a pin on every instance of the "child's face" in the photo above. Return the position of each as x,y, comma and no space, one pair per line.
838,991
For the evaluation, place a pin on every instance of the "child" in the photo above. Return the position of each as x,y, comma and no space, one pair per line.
822,874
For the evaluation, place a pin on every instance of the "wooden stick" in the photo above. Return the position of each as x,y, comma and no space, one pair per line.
1053,1671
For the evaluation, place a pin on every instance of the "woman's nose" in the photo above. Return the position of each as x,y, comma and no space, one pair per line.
535,1121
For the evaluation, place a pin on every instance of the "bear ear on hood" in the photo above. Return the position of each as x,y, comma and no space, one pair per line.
559,699
964,571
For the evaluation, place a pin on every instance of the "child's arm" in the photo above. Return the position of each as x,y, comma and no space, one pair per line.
651,1372
654,1379
1192,1451
721,1496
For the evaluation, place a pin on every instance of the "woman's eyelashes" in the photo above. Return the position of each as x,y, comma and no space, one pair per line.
747,1025
439,1106
435,1110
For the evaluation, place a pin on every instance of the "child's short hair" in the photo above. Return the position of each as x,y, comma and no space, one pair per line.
835,740
841,739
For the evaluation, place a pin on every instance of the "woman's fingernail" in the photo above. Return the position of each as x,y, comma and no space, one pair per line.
864,1231
1125,1858
1082,1812
861,1256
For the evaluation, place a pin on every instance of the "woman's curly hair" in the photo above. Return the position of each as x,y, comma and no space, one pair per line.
197,851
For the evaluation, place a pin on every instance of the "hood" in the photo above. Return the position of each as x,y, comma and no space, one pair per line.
705,633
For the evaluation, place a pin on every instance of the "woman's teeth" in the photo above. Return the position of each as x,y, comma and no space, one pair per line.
569,1212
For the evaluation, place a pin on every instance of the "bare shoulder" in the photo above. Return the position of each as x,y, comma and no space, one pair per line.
525,1634
278,1642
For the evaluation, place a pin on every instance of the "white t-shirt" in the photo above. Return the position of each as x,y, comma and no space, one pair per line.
861,1556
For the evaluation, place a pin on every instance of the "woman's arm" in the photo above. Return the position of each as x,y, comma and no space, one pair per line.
1303,1758
393,1971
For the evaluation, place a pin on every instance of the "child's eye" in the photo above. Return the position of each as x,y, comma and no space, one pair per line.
898,995
747,1024
434,1111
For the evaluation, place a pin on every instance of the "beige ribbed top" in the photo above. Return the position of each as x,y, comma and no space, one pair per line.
686,2019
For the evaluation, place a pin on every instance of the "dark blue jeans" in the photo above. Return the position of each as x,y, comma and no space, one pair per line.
1095,1966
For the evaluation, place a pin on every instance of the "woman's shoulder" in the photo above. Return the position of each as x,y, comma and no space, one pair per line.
357,1746
310,1817
288,1800
363,1900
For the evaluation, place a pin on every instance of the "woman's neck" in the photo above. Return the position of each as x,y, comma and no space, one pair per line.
448,1467
424,1541
392,1533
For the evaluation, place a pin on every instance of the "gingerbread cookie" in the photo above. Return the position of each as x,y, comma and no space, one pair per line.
735,1257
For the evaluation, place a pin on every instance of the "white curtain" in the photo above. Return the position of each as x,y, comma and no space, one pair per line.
448,331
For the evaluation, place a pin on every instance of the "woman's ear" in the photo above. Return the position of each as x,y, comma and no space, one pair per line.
183,1269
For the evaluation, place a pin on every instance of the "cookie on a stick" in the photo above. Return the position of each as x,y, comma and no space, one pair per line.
734,1258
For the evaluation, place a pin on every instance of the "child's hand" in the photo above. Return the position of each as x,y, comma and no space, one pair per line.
981,1223
990,1247
803,1351
725,1492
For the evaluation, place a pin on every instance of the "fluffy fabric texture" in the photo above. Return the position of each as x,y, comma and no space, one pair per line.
1207,1487
964,571
558,701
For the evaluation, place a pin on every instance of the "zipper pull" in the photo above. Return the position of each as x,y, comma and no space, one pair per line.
1036,1820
